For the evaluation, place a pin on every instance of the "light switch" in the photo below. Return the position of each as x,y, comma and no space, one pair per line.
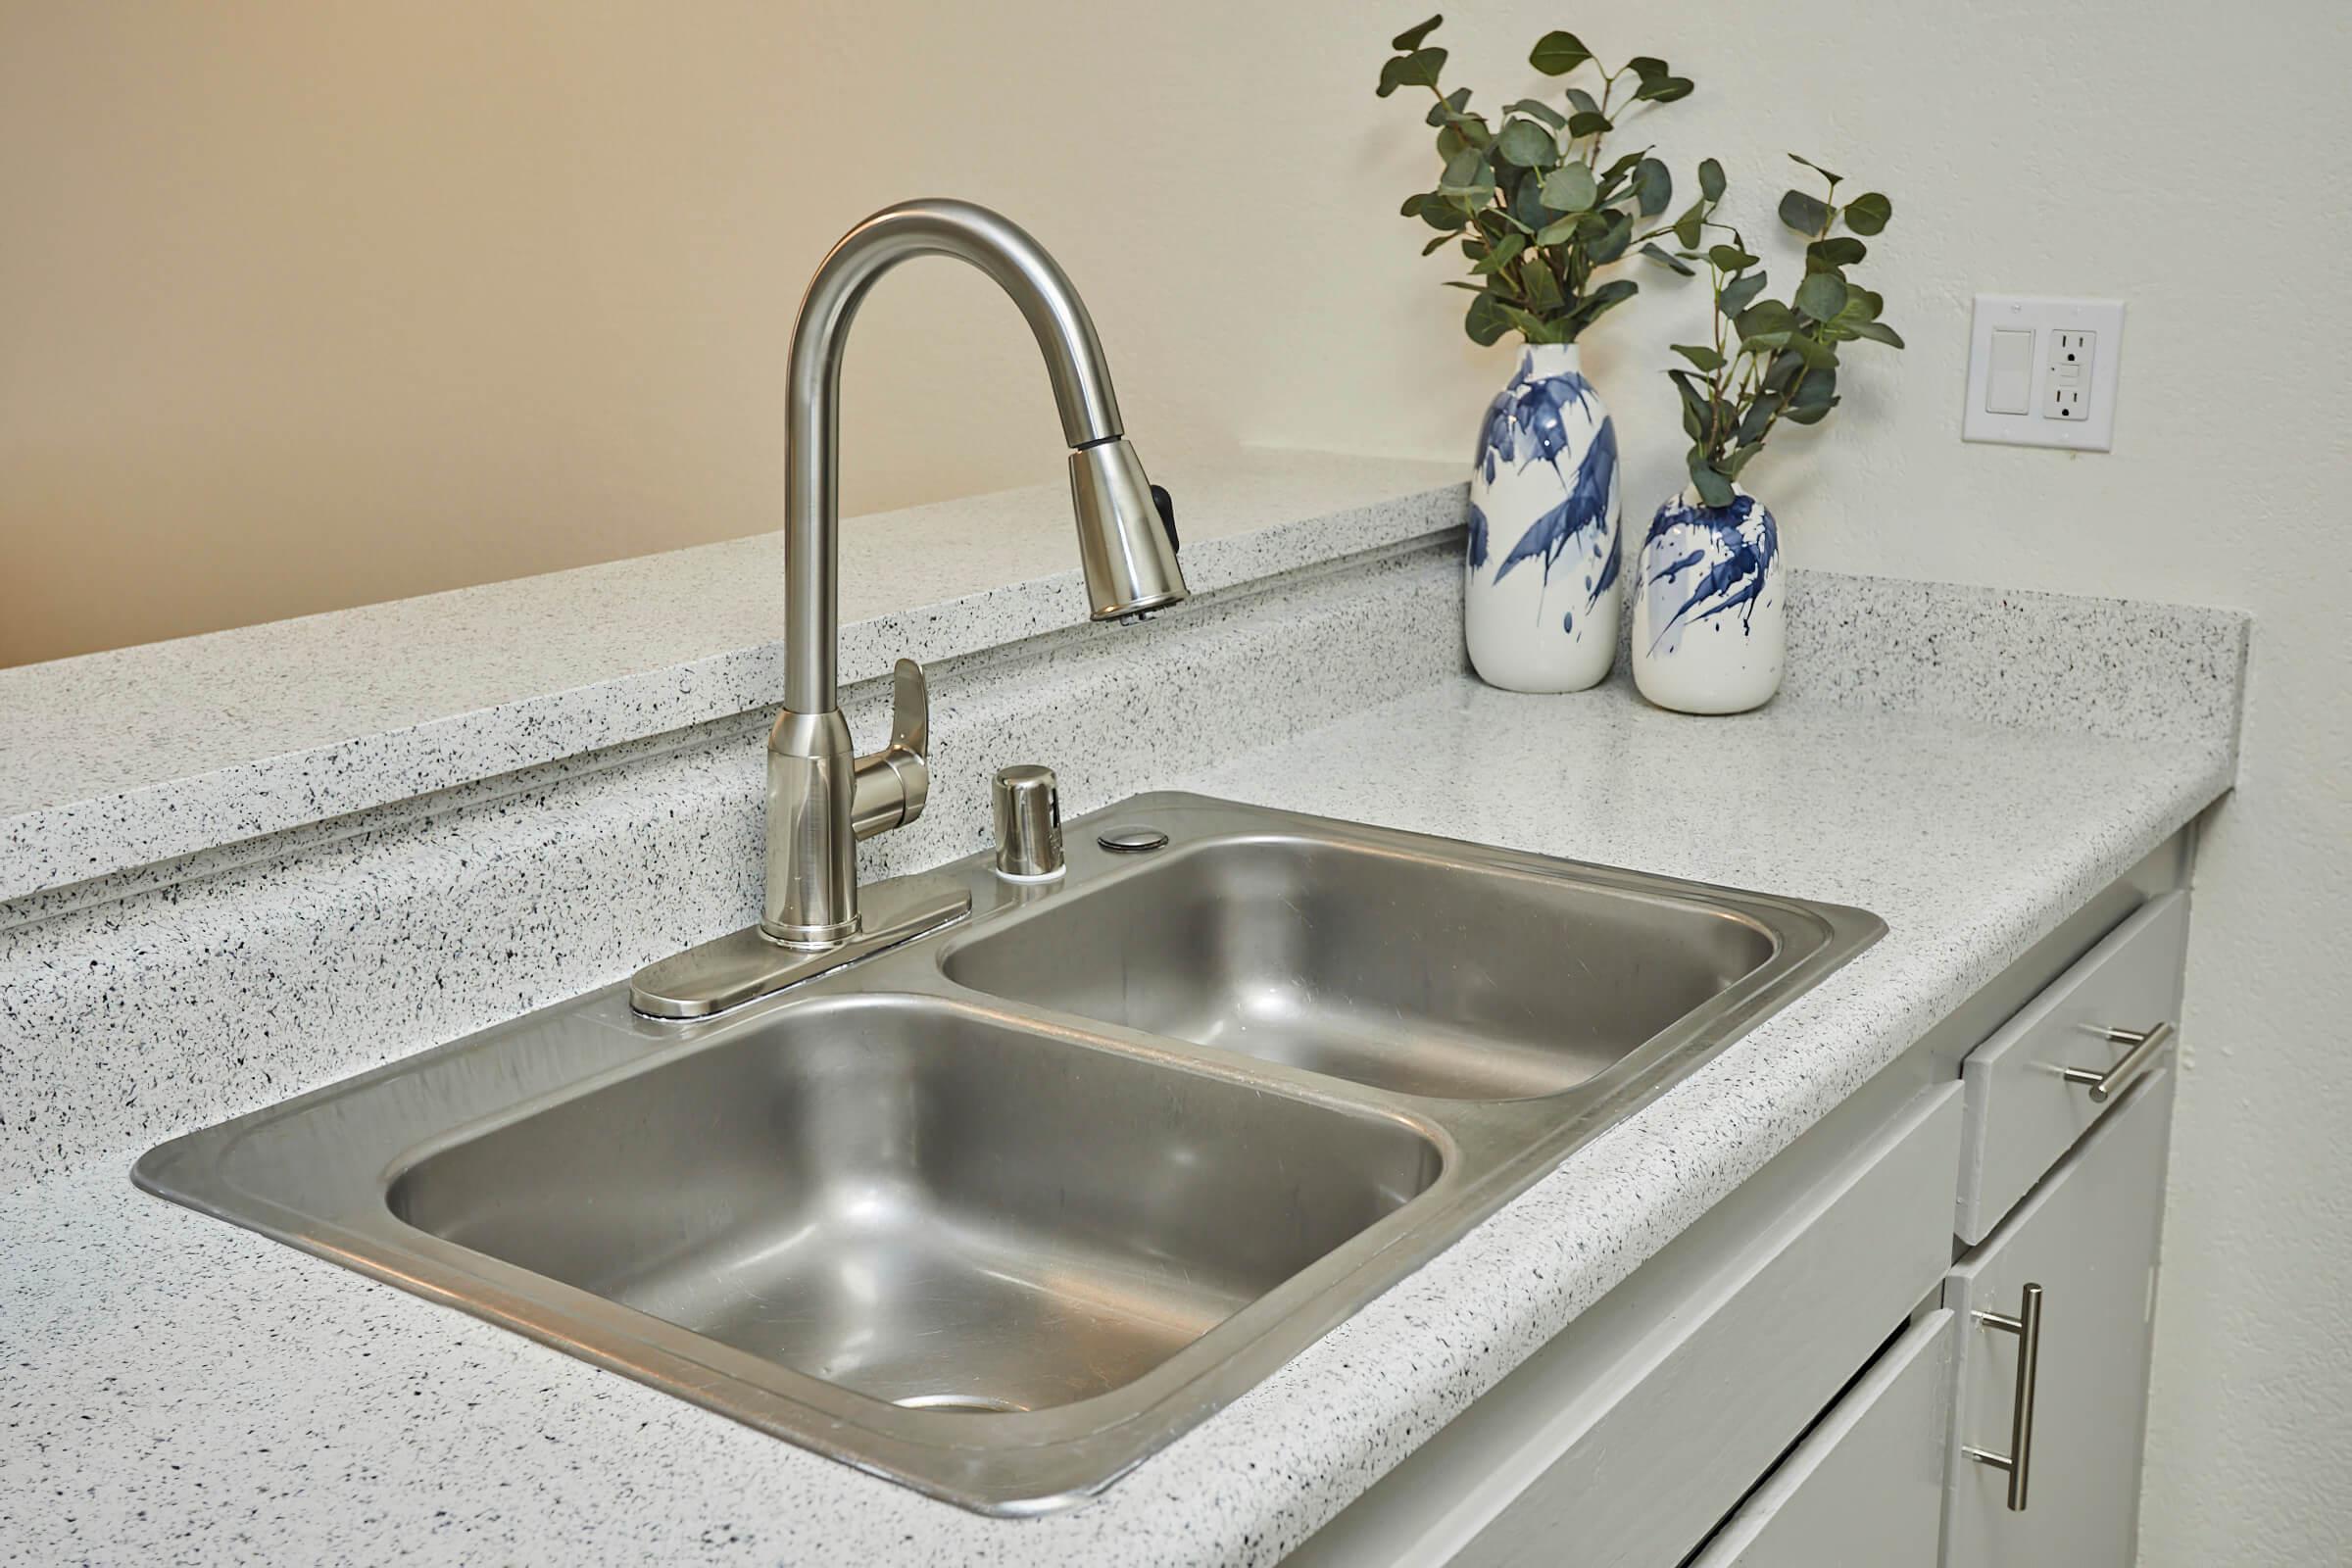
2009,378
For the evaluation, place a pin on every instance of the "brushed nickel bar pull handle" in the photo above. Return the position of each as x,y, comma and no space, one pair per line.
2019,1461
2144,1044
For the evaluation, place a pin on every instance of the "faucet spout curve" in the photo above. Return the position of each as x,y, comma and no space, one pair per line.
1047,300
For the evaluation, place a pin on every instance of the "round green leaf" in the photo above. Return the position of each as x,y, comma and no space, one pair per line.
1467,175
1568,188
1710,179
1868,214
1821,296
1765,316
1739,293
1526,144
1653,186
1485,321
1687,227
1558,52
1826,255
1807,215
1543,289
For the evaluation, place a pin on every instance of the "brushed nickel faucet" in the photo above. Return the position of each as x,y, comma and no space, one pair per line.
821,797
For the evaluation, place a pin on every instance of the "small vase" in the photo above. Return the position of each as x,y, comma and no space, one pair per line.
1540,601
1710,607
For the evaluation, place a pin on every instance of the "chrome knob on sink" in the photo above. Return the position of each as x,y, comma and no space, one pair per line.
1028,818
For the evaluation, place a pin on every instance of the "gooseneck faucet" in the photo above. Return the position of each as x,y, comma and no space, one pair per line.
822,798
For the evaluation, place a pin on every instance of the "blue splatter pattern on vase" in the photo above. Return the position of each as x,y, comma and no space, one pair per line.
1727,564
1546,479
1709,622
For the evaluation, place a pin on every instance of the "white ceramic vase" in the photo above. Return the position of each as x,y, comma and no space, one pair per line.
1710,607
1539,596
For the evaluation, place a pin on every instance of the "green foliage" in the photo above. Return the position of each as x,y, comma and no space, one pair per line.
1771,360
1533,207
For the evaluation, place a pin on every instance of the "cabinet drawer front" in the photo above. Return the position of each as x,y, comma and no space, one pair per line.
1866,1486
1645,1459
2023,1114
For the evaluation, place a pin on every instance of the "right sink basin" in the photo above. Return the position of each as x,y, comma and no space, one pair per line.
1451,975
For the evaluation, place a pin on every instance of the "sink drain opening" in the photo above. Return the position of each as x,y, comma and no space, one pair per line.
969,1403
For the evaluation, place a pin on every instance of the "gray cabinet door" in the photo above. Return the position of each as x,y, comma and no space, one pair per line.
2087,1236
1866,1486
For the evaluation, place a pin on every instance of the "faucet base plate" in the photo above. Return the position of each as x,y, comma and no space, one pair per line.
745,965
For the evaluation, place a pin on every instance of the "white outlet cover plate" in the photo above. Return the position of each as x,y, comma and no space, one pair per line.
2043,315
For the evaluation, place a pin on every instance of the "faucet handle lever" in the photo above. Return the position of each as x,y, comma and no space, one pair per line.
910,710
892,784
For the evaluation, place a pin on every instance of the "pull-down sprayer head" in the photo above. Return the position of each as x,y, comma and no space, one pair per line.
1125,537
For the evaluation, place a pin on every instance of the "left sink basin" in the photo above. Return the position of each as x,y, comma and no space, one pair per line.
1000,1258
921,1202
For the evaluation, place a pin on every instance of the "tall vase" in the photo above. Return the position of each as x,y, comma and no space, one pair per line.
1710,607
1540,601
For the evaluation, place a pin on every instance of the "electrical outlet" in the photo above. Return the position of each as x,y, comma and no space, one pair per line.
2072,352
2041,372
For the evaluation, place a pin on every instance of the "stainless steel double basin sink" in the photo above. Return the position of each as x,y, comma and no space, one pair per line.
999,1211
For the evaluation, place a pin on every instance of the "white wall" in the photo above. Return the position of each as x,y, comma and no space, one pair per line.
459,291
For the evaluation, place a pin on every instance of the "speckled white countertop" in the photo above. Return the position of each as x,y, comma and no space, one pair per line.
207,740
177,1390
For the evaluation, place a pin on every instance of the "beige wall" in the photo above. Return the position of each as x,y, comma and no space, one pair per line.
309,304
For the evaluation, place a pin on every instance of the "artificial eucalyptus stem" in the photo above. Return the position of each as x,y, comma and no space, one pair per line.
1780,360
1530,203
